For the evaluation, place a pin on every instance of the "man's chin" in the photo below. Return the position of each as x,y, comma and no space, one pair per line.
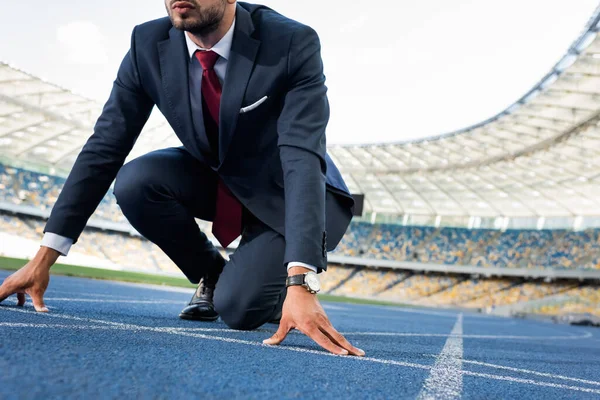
178,25
183,23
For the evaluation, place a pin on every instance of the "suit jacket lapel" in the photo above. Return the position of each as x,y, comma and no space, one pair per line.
174,67
239,67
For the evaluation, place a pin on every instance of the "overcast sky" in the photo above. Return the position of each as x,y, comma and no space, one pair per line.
396,69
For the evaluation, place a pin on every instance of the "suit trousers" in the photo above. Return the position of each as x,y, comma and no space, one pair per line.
162,192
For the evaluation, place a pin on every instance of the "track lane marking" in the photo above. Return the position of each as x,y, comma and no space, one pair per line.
445,378
105,327
531,382
528,371
401,334
124,301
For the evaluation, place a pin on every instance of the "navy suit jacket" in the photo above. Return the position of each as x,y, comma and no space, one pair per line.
273,158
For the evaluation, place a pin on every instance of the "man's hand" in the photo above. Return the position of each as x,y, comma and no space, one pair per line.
32,279
302,311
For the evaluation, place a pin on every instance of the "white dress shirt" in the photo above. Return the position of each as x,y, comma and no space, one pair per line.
222,48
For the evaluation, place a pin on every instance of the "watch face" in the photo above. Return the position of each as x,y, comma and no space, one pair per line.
312,281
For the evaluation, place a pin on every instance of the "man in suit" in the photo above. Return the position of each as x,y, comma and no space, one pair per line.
243,88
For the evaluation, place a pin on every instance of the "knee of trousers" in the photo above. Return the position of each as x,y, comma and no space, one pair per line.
132,185
241,314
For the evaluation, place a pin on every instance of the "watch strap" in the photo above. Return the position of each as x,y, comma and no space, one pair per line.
295,280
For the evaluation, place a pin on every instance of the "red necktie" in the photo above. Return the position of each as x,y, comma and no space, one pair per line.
227,224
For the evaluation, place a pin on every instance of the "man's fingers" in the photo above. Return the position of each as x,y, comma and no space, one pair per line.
20,299
340,340
321,339
279,336
38,301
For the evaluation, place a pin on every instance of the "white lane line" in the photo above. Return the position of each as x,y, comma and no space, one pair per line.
179,331
53,326
73,318
389,317
74,300
449,314
156,288
329,306
504,321
531,382
445,378
59,293
528,371
115,327
400,334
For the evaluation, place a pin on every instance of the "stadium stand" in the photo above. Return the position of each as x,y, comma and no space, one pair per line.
523,292
580,300
418,287
478,247
22,187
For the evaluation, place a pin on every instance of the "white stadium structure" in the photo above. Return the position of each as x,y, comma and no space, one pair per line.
533,166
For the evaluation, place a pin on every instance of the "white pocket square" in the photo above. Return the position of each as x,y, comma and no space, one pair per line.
253,106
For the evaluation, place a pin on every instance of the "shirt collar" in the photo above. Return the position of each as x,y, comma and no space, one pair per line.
222,47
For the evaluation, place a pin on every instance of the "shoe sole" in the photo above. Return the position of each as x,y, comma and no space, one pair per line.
193,318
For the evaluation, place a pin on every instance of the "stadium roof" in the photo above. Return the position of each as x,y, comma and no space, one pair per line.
43,123
539,157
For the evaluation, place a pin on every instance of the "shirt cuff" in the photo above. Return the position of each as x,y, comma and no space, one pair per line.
299,264
57,242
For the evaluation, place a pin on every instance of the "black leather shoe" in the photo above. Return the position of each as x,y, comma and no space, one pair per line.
201,307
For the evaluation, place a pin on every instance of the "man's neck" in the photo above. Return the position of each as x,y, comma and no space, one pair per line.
209,40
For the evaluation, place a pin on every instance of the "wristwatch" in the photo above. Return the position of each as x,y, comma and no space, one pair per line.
309,280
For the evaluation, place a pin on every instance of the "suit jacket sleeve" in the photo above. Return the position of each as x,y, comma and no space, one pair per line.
301,129
115,133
